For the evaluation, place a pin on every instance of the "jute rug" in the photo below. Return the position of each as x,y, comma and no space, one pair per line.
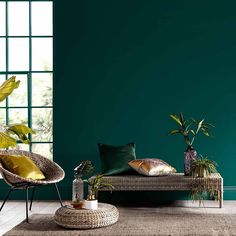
138,222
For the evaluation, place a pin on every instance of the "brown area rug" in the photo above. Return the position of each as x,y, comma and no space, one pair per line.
137,222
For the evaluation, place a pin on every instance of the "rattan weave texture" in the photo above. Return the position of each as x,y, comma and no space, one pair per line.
52,171
175,182
172,182
105,215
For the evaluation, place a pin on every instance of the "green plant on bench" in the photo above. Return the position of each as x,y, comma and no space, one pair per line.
202,167
96,184
190,129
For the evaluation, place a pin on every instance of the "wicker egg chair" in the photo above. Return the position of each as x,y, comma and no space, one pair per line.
52,171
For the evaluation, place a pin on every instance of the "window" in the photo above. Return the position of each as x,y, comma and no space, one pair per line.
26,50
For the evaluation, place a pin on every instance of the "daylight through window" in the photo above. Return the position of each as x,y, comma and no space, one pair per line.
26,51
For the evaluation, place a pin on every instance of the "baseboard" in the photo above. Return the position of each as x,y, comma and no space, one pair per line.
230,192
229,188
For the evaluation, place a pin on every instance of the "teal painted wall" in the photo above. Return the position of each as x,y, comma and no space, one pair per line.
121,67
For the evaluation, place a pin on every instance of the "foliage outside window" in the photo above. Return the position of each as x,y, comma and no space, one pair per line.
26,49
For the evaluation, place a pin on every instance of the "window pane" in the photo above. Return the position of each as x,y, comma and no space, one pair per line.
42,124
3,18
21,146
18,116
41,18
18,54
2,116
2,80
42,54
19,96
44,149
42,89
2,54
18,18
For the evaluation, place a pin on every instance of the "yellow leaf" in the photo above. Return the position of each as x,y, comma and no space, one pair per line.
6,140
21,131
7,87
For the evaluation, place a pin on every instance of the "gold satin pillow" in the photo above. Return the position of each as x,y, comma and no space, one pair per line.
152,167
22,166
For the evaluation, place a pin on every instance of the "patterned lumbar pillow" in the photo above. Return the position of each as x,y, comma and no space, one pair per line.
152,167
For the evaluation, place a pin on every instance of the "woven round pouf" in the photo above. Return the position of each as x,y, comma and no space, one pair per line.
105,215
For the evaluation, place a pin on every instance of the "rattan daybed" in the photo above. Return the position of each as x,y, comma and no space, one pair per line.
173,182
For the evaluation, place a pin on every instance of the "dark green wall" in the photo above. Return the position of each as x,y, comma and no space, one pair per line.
122,66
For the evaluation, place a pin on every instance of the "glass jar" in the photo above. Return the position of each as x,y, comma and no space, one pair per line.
78,189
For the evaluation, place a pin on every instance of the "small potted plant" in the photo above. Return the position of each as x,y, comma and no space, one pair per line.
95,184
202,167
190,129
84,168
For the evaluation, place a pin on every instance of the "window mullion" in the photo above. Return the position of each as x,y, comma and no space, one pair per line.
7,61
30,75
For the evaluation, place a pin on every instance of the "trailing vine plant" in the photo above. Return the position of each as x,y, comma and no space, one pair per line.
201,187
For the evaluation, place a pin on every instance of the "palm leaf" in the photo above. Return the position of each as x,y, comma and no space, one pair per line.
6,140
7,87
188,126
176,118
204,131
21,131
175,132
182,120
84,168
192,131
209,124
200,124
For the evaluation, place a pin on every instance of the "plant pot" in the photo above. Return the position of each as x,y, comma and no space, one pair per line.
91,204
189,155
202,173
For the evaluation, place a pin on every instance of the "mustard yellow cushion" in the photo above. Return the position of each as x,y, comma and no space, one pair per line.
22,166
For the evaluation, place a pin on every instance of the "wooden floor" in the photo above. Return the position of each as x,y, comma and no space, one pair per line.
14,211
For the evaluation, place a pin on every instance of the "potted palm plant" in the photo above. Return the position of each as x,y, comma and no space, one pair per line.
190,129
95,184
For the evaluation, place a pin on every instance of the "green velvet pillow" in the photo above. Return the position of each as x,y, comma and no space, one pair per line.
114,160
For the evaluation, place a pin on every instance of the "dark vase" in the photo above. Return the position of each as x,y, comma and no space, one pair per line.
189,155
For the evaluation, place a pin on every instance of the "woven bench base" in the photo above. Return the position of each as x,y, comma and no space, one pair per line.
173,182
105,215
